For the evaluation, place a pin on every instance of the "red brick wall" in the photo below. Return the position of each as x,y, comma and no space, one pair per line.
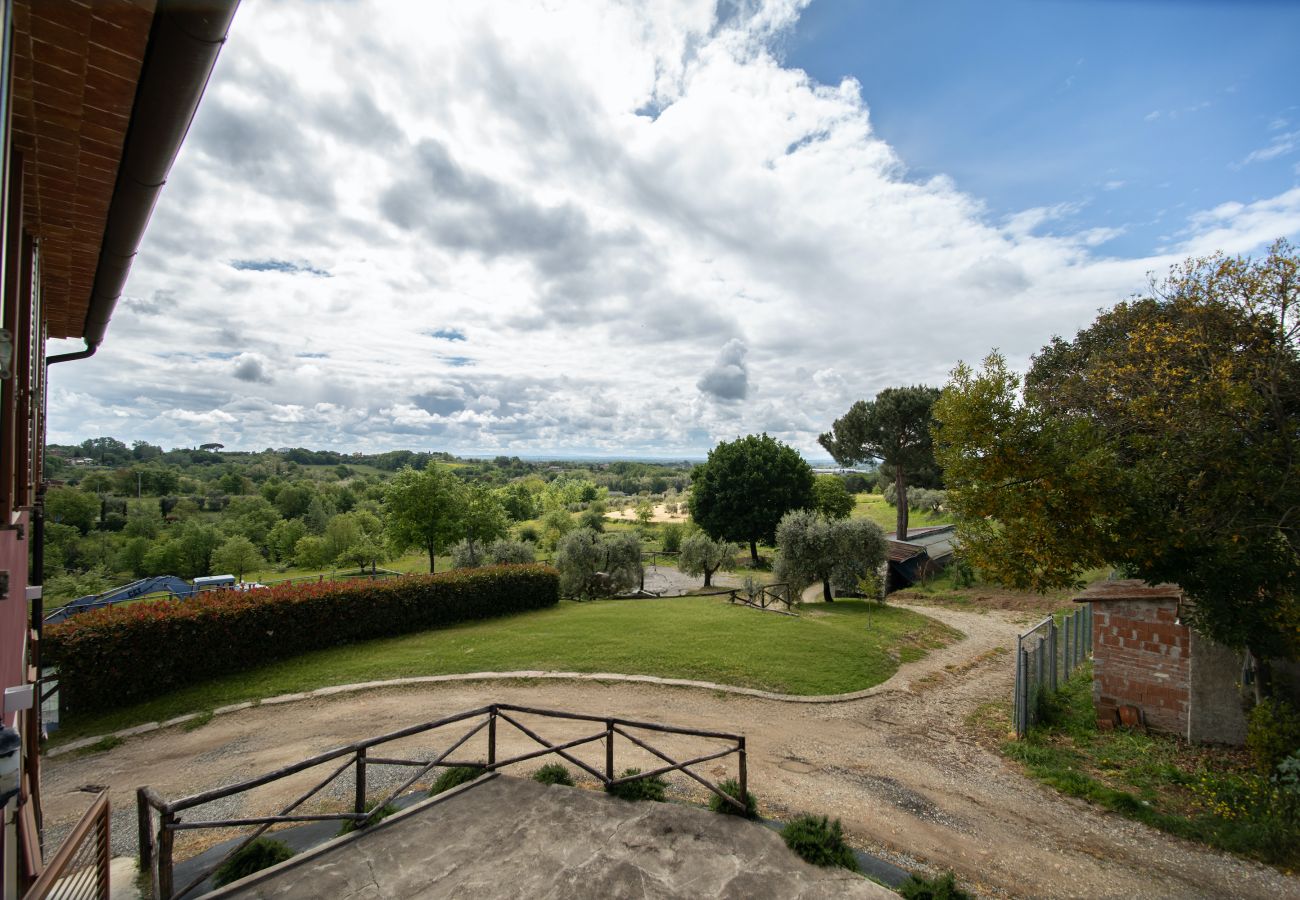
1141,658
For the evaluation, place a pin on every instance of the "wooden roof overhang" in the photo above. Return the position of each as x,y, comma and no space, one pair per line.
103,95
76,70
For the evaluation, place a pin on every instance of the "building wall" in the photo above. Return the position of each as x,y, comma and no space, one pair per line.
13,609
1142,658
1218,716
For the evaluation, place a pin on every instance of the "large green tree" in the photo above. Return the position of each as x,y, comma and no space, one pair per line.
1162,440
893,429
424,509
744,488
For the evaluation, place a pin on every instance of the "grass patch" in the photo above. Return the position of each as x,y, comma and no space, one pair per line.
260,854
352,825
874,508
198,721
1205,794
454,777
819,841
731,787
553,773
845,646
652,788
103,745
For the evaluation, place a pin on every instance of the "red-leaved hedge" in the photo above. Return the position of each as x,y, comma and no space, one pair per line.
124,654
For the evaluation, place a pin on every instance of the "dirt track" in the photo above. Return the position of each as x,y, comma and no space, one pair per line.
898,767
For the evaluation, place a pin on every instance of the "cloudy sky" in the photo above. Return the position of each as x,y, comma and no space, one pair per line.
640,228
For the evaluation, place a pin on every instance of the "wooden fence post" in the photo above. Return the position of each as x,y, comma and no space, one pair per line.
744,772
145,830
163,886
359,792
609,750
492,737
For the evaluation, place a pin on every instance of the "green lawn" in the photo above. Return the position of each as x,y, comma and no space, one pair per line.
874,508
847,646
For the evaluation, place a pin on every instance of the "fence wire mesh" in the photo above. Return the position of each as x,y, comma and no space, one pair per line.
1046,655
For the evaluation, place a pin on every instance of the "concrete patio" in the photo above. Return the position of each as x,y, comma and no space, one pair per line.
507,837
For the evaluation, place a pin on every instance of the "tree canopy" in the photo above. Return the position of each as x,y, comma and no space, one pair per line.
837,552
744,488
424,509
1161,440
893,429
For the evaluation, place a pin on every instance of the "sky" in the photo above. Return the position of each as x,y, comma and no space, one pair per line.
637,229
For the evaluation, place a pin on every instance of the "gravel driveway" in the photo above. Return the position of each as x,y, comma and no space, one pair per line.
899,767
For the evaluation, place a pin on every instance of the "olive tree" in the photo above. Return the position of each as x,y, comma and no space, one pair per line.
837,552
702,555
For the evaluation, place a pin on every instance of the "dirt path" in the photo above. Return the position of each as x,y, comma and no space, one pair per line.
899,768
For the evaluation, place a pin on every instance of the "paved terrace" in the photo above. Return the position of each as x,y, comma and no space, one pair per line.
509,837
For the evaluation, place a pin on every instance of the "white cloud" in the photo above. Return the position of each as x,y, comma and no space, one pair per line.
593,198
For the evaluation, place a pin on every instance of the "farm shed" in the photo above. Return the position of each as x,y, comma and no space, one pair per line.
926,552
1146,656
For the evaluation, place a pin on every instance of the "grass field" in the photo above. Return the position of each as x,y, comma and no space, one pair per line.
874,508
847,646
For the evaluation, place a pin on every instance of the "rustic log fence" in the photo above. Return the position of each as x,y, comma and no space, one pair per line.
767,597
160,820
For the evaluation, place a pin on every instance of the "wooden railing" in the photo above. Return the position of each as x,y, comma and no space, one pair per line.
768,596
160,820
80,868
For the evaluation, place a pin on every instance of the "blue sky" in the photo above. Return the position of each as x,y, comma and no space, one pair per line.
606,227
1132,112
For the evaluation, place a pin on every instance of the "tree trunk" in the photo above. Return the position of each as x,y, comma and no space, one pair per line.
826,591
432,557
708,576
900,497
753,551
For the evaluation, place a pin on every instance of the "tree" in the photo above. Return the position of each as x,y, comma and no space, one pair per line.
837,552
67,506
831,497
283,537
1162,440
237,556
702,555
744,488
594,565
424,509
893,429
366,550
195,544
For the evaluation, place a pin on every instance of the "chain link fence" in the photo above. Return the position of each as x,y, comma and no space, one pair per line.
1046,655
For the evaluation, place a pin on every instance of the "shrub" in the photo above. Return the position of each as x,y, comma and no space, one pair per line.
350,825
553,773
818,841
260,854
454,777
466,554
1272,733
670,536
652,788
731,787
529,534
942,887
120,655
508,552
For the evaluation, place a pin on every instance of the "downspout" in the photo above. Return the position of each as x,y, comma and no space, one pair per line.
184,41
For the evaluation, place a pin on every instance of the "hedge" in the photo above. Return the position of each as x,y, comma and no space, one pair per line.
124,654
